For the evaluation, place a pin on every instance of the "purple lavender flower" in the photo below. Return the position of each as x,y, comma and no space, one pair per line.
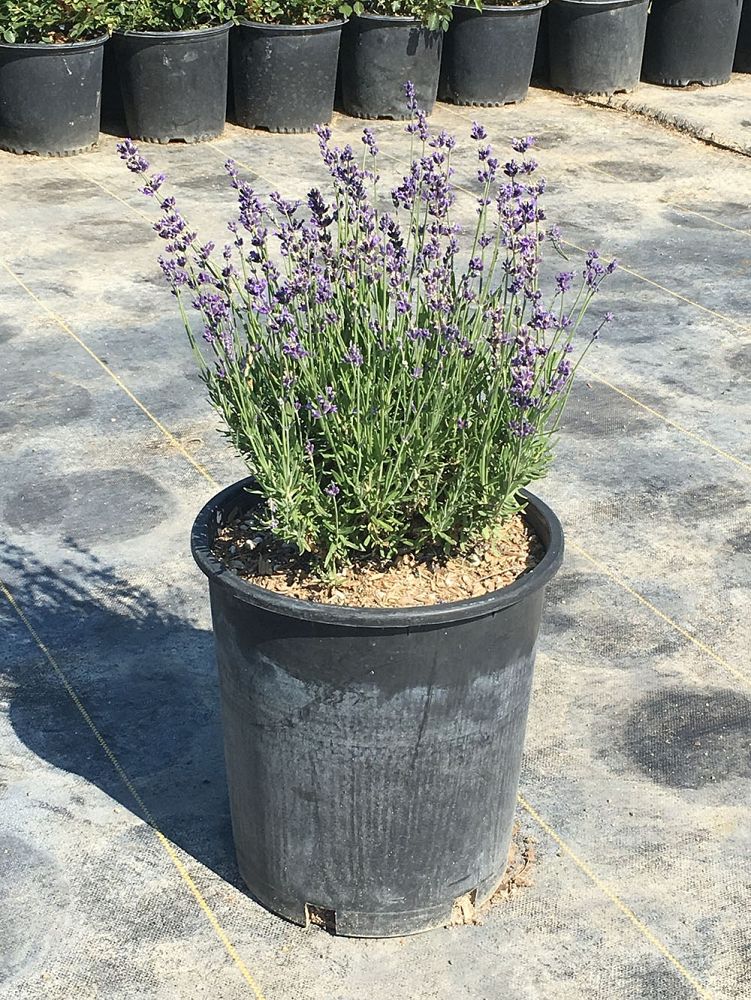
521,428
213,306
324,404
478,132
418,333
130,153
287,208
293,349
594,271
332,489
522,145
444,140
353,356
369,140
409,93
419,126
174,274
153,184
564,280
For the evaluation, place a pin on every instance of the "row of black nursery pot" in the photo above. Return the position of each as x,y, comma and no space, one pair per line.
165,86
605,46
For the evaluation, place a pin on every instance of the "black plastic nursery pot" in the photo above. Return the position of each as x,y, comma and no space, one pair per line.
596,46
379,55
691,41
173,83
488,55
284,76
742,62
372,755
50,97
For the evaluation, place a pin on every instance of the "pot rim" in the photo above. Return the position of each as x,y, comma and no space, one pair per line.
344,615
245,22
504,8
53,47
180,35
600,3
393,19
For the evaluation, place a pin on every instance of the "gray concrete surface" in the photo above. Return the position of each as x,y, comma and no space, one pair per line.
118,877
717,115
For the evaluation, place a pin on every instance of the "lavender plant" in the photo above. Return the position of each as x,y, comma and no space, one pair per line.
386,393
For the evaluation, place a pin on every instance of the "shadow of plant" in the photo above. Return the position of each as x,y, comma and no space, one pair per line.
146,676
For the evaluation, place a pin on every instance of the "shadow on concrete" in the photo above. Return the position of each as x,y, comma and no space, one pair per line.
146,677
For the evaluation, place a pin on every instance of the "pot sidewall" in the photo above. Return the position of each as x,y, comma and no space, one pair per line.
691,41
284,76
50,97
596,46
173,84
378,56
488,55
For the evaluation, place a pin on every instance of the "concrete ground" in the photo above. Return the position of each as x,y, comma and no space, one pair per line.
717,115
118,876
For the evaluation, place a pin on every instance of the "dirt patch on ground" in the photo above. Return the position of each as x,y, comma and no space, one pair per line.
519,874
407,581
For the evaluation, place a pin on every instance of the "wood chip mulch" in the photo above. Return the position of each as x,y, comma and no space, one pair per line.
406,582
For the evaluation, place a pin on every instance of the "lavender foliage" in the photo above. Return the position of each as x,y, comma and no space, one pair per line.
386,391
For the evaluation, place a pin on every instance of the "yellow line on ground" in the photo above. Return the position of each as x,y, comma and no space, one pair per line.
112,194
675,205
746,466
115,378
707,218
121,773
616,900
707,650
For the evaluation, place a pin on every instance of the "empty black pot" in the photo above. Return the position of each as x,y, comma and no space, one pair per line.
284,76
743,48
596,46
488,55
379,55
372,755
173,83
49,97
691,41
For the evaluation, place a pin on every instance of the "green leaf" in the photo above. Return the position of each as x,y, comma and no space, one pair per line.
9,36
